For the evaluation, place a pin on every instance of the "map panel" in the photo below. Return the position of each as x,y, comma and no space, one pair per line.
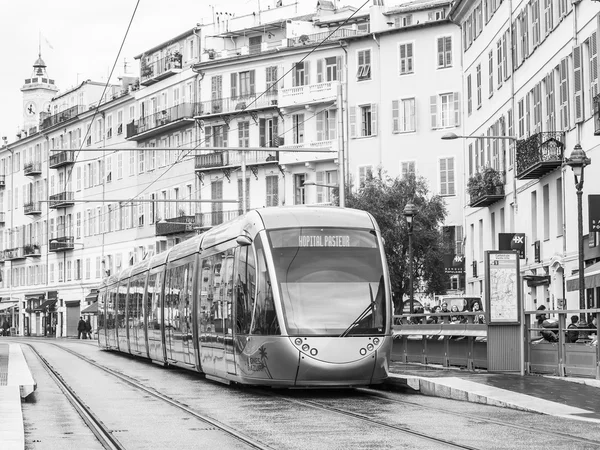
503,288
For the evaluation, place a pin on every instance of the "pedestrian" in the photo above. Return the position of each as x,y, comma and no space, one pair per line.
81,328
572,330
478,318
88,328
5,328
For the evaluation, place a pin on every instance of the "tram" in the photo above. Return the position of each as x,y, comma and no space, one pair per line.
291,296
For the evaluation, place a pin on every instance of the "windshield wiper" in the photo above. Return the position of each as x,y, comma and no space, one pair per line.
362,315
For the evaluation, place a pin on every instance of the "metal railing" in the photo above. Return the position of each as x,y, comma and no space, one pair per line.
160,118
63,158
61,199
539,154
234,158
62,116
32,168
163,66
239,103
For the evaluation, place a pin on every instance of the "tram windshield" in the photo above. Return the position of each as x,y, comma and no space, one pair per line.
330,280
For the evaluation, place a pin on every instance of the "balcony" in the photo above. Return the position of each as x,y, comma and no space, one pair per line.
32,169
62,200
32,250
236,104
61,244
32,208
2,218
539,154
62,158
233,158
485,187
14,253
2,181
597,115
308,94
160,69
161,121
176,225
61,117
211,219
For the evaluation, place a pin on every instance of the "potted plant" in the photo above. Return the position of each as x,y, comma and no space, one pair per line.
475,186
493,181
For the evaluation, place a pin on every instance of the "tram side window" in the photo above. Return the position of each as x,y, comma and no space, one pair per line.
264,317
186,302
121,302
110,310
206,294
136,289
175,283
245,289
101,312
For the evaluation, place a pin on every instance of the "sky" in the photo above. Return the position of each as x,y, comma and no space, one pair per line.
81,39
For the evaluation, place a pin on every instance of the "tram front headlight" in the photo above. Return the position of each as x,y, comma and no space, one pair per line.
370,347
298,341
363,351
305,347
376,341
313,352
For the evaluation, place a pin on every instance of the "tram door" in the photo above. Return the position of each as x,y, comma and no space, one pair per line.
111,305
215,313
179,342
121,317
156,349
101,327
135,319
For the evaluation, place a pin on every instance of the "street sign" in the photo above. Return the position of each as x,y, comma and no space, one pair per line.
512,241
594,212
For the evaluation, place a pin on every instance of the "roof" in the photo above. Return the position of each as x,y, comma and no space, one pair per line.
92,309
417,5
167,43
264,27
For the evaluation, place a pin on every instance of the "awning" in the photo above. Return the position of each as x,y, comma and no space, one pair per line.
7,305
591,280
92,296
92,309
41,296
45,306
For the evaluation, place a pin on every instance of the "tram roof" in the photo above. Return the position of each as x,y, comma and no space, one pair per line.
310,216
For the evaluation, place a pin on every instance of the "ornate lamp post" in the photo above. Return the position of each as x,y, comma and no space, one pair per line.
577,162
410,210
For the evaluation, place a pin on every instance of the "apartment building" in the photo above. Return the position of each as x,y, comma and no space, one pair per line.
530,73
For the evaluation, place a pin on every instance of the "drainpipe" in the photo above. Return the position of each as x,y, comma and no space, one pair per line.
342,153
379,145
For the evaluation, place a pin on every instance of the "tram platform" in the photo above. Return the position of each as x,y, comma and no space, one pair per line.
16,382
574,398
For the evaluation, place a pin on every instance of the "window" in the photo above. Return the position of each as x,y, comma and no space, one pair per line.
364,65
329,69
325,194
368,120
478,86
244,134
445,110
364,172
403,115
593,77
564,95
444,52
298,128
546,210
403,21
300,74
141,161
242,84
271,77
268,132
499,62
326,125
447,176
436,15
407,168
548,16
469,95
559,207
406,58
299,193
491,73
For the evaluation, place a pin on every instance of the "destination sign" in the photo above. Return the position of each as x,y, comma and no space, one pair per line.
322,238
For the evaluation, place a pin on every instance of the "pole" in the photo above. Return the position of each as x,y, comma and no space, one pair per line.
580,239
410,268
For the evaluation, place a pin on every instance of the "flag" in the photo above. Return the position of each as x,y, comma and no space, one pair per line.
47,42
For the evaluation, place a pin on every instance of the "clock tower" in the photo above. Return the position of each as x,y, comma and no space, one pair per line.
38,91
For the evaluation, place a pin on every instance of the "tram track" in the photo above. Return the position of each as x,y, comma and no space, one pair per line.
103,433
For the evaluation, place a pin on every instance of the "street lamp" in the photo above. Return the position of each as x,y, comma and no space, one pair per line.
410,210
312,183
577,162
451,136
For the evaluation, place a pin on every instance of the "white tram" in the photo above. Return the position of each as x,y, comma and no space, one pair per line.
294,296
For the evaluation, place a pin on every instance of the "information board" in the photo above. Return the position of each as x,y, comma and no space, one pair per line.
502,282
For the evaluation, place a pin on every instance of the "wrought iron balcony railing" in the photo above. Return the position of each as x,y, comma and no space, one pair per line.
161,121
62,116
486,197
2,181
60,159
539,154
61,244
61,200
14,253
175,225
32,169
32,250
230,105
32,208
234,159
160,69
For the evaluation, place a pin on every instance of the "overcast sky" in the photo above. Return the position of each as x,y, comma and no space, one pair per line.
80,39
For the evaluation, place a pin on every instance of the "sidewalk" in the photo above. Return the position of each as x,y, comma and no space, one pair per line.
575,398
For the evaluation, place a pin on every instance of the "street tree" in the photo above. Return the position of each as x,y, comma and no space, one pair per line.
385,198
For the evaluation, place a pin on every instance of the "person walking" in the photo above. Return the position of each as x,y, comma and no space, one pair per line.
88,328
81,328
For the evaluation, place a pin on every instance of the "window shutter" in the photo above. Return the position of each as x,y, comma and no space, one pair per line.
456,109
275,141
469,96
294,68
332,124
443,177
373,119
306,73
207,135
352,115
320,180
433,111
395,116
233,85
440,52
577,75
593,68
320,126
338,66
252,78
448,51
262,132
319,70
